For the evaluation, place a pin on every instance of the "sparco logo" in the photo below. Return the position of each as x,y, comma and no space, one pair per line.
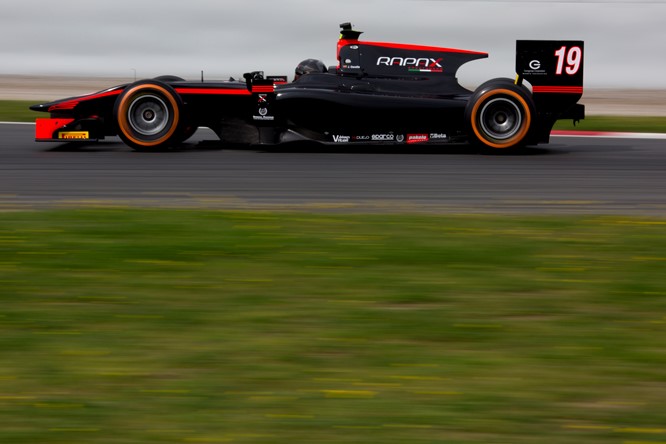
382,137
425,63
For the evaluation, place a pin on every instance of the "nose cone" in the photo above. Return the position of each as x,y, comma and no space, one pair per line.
42,107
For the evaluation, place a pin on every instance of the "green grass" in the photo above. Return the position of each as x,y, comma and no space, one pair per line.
18,111
128,326
634,124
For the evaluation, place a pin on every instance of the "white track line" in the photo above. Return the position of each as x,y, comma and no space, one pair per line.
609,135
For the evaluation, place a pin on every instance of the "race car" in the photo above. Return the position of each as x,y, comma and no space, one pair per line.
378,93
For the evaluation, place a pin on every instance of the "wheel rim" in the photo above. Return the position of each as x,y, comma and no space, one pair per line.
500,118
148,115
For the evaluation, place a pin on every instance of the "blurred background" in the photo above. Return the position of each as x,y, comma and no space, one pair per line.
625,40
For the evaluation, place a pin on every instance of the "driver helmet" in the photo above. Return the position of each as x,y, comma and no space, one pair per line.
307,66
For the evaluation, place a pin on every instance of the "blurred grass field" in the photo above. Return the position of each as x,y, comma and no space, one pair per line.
127,326
630,124
18,111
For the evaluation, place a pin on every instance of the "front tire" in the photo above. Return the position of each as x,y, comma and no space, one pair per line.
148,115
500,115
169,79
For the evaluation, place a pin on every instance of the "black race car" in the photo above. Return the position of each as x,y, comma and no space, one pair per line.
379,93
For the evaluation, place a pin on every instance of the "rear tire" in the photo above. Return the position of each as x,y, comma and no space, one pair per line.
148,115
500,115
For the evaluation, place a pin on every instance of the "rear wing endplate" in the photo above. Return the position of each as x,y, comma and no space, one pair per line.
555,69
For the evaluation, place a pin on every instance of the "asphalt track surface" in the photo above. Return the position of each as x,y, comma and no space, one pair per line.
572,175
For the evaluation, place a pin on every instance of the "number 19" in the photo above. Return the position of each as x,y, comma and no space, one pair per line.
573,59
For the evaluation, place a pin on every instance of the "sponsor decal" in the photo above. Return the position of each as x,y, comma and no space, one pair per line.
262,108
400,138
417,138
278,79
413,64
341,139
535,69
361,138
74,135
437,136
383,137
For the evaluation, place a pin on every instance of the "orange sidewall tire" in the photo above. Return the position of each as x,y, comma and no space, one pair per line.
519,137
123,107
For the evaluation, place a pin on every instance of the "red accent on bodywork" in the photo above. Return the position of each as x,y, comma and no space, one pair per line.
558,89
46,127
342,43
71,104
65,106
214,91
115,92
263,88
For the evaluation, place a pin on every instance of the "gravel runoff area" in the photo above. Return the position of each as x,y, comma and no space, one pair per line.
626,102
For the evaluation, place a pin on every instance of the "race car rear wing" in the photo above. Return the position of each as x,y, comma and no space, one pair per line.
554,68
551,66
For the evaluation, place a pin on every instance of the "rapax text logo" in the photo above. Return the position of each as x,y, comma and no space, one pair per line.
410,62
